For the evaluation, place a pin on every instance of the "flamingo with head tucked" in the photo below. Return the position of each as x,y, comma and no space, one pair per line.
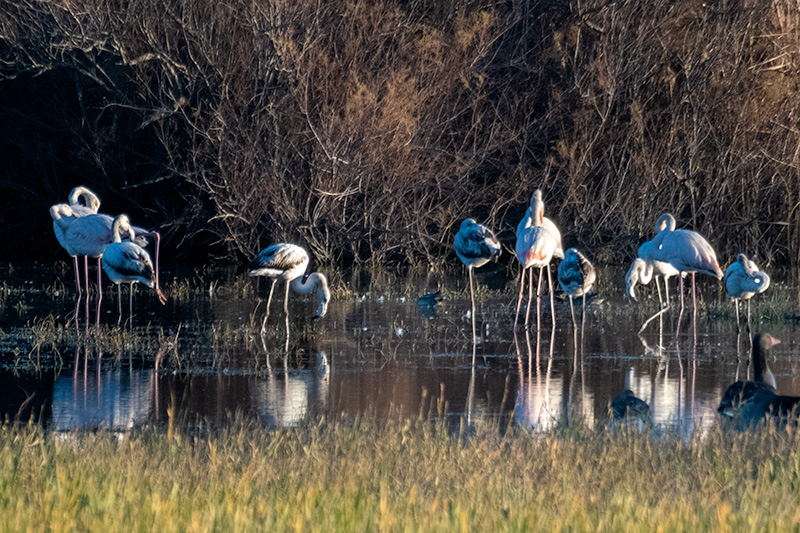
576,275
127,262
743,280
475,245
536,246
289,262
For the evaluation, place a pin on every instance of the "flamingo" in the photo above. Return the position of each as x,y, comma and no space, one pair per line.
686,251
576,275
128,262
289,262
475,245
101,225
88,235
643,269
90,206
743,280
536,246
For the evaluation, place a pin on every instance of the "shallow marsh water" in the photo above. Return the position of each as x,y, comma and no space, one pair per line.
377,352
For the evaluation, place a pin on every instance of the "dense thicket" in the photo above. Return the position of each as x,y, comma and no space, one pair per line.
369,130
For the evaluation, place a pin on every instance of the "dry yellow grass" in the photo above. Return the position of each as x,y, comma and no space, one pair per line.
396,476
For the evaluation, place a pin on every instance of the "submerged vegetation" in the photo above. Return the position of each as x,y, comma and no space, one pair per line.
399,475
368,131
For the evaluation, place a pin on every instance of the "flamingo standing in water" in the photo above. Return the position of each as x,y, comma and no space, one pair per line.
687,251
475,245
536,246
644,267
743,280
289,262
127,262
89,235
100,226
576,275
91,203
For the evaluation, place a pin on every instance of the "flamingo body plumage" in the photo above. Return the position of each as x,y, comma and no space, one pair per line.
475,244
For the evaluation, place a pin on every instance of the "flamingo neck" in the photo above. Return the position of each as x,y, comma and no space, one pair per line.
665,222
90,199
308,283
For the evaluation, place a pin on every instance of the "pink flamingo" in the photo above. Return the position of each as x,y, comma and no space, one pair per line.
536,245
687,251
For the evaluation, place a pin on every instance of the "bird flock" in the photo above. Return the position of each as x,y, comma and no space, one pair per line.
120,250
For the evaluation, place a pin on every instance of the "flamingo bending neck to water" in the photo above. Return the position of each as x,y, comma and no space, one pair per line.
289,262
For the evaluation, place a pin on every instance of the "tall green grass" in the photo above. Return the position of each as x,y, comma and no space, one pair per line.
403,475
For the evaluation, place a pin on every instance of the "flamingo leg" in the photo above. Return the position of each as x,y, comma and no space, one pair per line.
269,299
519,300
86,275
666,290
552,298
658,288
572,312
538,302
77,274
694,299
530,296
472,295
130,305
119,303
748,315
286,300
680,315
583,315
99,289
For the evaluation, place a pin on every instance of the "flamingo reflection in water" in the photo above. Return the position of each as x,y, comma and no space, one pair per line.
115,397
539,401
285,400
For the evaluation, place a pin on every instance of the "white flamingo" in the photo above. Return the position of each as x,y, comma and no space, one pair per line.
88,235
90,206
642,270
289,262
475,245
576,275
536,247
744,280
127,262
687,251
100,226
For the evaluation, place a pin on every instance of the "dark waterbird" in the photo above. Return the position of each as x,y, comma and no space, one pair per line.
626,405
747,402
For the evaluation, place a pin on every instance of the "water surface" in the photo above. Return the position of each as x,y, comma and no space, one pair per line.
377,352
